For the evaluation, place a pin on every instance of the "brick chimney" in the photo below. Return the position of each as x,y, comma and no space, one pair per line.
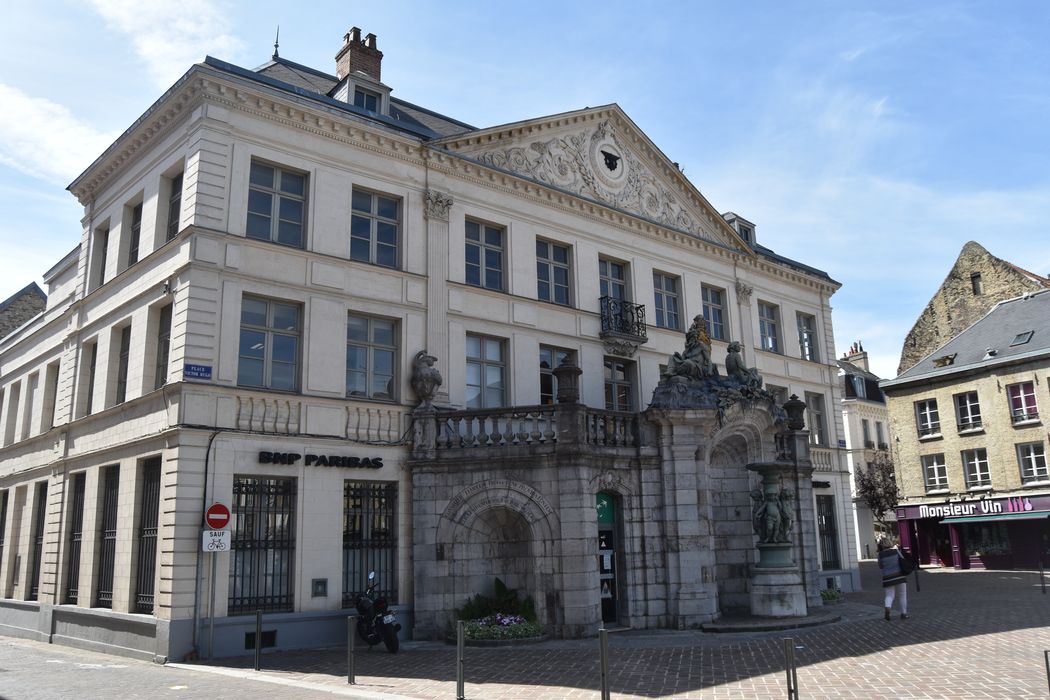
358,55
857,356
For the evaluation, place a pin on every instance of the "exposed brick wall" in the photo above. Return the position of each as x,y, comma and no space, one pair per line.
955,307
359,55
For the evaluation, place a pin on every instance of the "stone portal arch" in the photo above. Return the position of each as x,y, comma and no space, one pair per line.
499,528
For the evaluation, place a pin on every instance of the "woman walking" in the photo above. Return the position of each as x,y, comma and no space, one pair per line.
894,580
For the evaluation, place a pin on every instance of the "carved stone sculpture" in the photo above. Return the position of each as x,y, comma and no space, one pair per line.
425,378
786,521
695,361
735,368
767,517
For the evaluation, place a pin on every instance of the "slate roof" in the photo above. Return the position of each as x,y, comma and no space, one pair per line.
988,342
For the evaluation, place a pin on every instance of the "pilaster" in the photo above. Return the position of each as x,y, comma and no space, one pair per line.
435,209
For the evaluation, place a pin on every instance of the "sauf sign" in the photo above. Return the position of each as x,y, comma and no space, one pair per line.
292,458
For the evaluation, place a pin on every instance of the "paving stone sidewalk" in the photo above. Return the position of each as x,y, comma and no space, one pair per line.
972,634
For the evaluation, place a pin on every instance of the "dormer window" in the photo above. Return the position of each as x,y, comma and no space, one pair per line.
366,99
747,233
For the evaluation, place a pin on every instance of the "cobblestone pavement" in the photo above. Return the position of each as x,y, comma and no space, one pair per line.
972,634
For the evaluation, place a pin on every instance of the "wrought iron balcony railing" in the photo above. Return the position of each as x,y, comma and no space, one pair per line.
623,319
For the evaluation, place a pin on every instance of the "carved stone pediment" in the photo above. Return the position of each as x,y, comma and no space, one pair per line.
607,160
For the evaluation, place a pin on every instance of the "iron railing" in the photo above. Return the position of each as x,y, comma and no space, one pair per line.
147,556
108,538
369,538
622,318
76,536
263,561
38,539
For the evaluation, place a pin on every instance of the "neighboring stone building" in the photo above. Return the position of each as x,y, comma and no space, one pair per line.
866,426
976,283
20,307
276,265
970,442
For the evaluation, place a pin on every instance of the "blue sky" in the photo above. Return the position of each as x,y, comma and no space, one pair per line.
871,140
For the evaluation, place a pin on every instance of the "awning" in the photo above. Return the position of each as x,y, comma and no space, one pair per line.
1034,515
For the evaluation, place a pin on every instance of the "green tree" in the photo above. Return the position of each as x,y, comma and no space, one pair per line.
877,486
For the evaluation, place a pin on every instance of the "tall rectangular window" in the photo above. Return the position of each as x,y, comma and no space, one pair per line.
276,205
107,537
48,410
865,425
807,337
818,429
549,359
171,226
134,234
967,411
612,279
486,372
1031,457
975,465
37,539
665,289
714,311
160,372
369,538
619,384
935,472
14,398
371,357
880,436
27,411
123,358
827,531
927,419
75,539
262,564
375,220
484,251
269,344
149,501
101,253
91,352
1022,402
552,272
769,326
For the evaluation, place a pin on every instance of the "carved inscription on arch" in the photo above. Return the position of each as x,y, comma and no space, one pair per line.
465,506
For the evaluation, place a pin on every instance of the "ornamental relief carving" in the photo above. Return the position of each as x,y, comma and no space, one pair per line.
595,165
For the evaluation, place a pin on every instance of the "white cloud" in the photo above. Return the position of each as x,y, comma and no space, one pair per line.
43,139
170,36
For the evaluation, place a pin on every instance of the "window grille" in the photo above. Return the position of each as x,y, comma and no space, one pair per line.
38,539
108,538
76,536
828,531
147,557
262,564
369,538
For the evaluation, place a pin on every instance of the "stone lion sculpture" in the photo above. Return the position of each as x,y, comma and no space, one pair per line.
425,377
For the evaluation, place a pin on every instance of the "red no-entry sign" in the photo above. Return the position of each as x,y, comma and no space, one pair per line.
217,516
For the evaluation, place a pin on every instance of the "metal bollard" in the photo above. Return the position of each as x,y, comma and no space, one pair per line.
258,637
1046,659
918,588
1042,576
350,676
603,655
460,692
790,669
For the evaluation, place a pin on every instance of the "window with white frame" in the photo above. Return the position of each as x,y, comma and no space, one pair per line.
171,226
553,272
550,358
375,220
880,436
807,336
1031,457
818,430
486,372
967,411
619,384
484,255
975,466
612,279
366,99
371,357
927,419
865,426
665,290
935,472
276,205
769,326
714,311
1022,402
269,344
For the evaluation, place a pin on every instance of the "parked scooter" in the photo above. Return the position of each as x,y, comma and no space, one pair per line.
376,622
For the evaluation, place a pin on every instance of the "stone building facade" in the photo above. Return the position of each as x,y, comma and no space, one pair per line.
971,442
977,281
268,257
